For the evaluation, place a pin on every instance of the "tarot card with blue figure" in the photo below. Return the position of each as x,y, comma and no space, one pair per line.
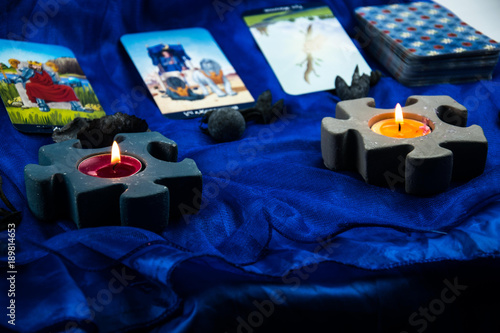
43,87
186,72
306,46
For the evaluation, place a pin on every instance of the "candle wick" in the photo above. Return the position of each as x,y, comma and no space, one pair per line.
114,165
399,127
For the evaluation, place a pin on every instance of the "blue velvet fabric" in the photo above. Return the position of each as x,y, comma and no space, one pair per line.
281,243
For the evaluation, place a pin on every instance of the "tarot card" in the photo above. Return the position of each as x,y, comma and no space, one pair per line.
305,45
42,86
422,29
423,43
186,72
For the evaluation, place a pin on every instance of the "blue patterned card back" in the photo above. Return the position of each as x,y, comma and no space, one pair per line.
426,29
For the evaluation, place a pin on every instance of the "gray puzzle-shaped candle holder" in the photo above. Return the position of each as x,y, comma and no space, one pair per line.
162,189
425,165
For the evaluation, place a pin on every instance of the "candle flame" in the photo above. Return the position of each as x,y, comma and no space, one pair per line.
115,153
399,114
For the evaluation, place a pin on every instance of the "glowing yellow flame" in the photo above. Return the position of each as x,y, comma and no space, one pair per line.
115,153
399,115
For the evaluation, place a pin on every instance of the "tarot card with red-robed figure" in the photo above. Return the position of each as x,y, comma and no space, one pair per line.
43,87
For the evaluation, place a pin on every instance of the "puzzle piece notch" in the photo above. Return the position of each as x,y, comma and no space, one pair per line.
425,165
56,189
446,108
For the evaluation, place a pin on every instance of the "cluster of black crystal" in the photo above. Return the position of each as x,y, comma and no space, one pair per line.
360,85
99,133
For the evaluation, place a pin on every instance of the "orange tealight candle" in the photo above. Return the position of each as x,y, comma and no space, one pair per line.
401,128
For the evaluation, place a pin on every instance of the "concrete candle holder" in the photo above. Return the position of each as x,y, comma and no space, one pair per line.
163,187
425,165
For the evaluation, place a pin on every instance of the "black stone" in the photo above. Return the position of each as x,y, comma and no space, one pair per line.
99,133
226,124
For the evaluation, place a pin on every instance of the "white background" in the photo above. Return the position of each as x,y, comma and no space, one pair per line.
483,15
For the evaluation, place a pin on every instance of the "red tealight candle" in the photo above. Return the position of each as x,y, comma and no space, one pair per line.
112,165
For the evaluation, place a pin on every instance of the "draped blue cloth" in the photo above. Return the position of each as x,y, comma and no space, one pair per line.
281,242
